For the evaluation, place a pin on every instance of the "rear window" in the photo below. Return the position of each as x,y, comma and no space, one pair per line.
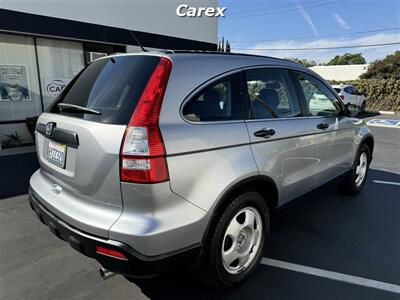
337,90
111,86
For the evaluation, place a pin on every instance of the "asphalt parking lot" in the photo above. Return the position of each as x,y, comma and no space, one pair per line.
322,246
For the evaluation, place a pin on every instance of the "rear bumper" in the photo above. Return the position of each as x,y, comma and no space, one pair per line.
136,265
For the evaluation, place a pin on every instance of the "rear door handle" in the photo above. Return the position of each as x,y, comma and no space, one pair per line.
265,133
323,126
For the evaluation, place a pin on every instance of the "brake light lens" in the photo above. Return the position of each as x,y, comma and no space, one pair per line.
342,97
143,152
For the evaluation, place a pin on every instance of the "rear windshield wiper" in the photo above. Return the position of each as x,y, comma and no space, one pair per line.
76,108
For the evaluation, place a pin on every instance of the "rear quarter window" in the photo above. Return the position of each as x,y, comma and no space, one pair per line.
220,101
111,86
348,90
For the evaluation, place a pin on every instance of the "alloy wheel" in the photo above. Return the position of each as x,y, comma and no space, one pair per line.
361,169
242,239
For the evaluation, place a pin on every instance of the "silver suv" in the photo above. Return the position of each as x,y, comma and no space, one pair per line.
152,160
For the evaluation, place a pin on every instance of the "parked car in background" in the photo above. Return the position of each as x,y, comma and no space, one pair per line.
150,160
349,95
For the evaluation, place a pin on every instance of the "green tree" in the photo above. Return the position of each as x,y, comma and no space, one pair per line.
223,46
347,59
305,62
228,47
386,68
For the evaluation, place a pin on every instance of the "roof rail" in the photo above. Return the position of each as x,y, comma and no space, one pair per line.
170,51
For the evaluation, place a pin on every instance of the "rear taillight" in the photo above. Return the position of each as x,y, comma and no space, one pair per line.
342,97
143,152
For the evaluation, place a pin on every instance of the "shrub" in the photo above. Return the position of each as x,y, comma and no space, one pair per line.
389,67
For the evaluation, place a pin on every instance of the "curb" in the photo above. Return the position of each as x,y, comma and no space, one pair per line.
385,112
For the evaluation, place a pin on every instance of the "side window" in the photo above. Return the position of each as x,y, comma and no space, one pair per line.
320,100
271,94
221,101
355,91
348,90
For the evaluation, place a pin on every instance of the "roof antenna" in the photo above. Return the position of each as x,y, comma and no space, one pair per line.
137,41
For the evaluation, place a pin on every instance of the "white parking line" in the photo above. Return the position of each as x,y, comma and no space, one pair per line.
388,287
386,182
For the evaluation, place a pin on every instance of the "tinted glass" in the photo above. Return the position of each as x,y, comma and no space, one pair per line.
320,100
271,94
221,101
337,90
111,86
348,90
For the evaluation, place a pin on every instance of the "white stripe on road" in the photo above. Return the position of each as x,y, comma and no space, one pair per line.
386,182
393,288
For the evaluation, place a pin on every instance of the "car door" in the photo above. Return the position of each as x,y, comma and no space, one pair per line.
282,139
350,94
358,97
334,132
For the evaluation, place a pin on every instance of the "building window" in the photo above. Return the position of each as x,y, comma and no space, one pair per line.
23,95
19,89
59,62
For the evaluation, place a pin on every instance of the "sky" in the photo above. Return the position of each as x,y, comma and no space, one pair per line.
251,25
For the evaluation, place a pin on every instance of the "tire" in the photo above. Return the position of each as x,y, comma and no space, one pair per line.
233,236
355,180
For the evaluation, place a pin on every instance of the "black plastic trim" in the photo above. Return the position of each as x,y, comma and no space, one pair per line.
65,136
136,265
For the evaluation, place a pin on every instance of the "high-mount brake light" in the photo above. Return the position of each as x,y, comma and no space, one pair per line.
143,153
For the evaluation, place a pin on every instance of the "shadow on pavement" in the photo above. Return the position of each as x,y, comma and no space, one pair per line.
15,172
367,114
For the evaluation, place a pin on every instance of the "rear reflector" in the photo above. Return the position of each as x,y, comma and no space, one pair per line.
143,153
111,253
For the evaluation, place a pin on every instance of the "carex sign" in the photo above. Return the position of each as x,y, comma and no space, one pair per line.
55,86
185,10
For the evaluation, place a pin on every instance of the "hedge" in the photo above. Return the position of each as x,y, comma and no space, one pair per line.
381,94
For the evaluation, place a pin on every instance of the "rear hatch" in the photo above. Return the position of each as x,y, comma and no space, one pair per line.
79,140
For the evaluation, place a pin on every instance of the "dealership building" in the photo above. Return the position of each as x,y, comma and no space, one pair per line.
44,44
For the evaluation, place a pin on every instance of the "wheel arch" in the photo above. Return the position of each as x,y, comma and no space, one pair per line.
369,141
262,184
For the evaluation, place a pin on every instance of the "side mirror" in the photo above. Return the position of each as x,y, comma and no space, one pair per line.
350,110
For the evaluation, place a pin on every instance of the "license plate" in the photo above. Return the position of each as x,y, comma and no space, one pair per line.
56,153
